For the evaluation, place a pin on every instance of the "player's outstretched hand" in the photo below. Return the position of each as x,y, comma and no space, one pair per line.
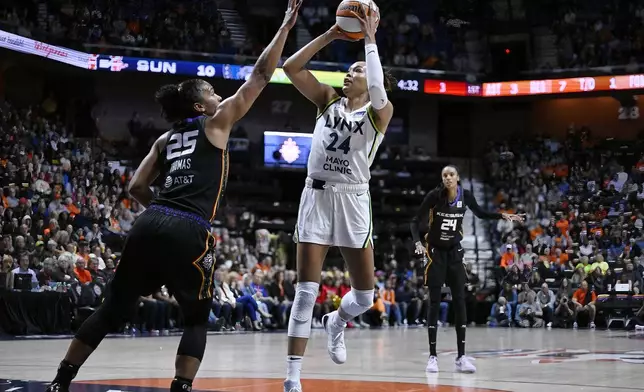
513,217
420,249
291,13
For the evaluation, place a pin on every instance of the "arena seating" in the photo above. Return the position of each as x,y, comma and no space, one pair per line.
64,211
177,25
65,214
583,200
594,34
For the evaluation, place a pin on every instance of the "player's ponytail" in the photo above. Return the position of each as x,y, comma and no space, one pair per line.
178,100
169,97
442,191
390,81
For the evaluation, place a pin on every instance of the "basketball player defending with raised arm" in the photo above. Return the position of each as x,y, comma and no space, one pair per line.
335,207
444,209
171,242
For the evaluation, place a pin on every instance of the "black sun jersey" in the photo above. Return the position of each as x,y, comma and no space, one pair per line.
193,171
445,219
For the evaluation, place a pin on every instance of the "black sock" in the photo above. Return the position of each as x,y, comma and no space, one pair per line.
432,331
460,340
66,373
180,384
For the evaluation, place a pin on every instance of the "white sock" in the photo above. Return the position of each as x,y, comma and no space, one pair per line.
337,320
293,367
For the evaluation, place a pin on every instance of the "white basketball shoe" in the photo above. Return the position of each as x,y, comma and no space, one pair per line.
292,386
464,365
335,337
432,364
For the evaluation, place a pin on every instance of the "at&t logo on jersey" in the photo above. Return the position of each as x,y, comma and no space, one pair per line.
290,151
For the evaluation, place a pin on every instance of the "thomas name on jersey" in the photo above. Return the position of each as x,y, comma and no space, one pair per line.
179,164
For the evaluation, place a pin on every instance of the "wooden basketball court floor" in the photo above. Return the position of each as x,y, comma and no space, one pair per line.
391,359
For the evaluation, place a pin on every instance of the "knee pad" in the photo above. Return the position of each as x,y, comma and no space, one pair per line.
299,324
356,302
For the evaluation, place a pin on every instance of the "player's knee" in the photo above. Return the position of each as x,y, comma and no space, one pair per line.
193,341
299,325
364,298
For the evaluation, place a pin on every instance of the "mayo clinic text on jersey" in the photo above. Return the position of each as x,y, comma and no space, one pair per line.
337,165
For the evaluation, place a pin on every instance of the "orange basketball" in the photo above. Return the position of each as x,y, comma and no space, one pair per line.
348,23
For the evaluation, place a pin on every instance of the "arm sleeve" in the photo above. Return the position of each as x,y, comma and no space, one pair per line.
375,77
471,203
422,214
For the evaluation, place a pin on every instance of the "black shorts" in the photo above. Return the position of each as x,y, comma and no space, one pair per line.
167,247
445,266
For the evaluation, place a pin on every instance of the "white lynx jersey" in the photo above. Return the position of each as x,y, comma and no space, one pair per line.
344,144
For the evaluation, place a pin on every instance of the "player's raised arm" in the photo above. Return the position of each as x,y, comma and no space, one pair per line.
376,80
146,173
235,107
316,92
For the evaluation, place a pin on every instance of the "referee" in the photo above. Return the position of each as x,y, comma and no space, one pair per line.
444,208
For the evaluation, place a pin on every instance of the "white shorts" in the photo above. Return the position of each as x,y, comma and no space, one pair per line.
338,215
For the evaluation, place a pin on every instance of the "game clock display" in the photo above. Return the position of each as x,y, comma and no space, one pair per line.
409,85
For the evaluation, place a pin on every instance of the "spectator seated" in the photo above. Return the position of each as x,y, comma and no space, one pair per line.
579,231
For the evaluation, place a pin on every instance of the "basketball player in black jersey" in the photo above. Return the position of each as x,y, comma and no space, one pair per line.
171,242
444,208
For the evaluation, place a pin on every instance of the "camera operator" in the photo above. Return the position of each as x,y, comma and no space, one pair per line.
529,313
564,313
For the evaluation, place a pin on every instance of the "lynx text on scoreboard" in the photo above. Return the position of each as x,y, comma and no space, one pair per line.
586,84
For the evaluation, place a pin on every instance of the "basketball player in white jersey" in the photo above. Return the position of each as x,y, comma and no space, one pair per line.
335,207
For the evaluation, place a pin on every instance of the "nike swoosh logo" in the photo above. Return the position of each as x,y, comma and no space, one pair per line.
360,194
372,51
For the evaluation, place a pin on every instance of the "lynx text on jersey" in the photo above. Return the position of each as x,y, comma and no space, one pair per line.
340,124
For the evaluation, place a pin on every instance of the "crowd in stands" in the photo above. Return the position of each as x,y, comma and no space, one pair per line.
64,214
407,36
583,234
412,33
595,34
176,25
